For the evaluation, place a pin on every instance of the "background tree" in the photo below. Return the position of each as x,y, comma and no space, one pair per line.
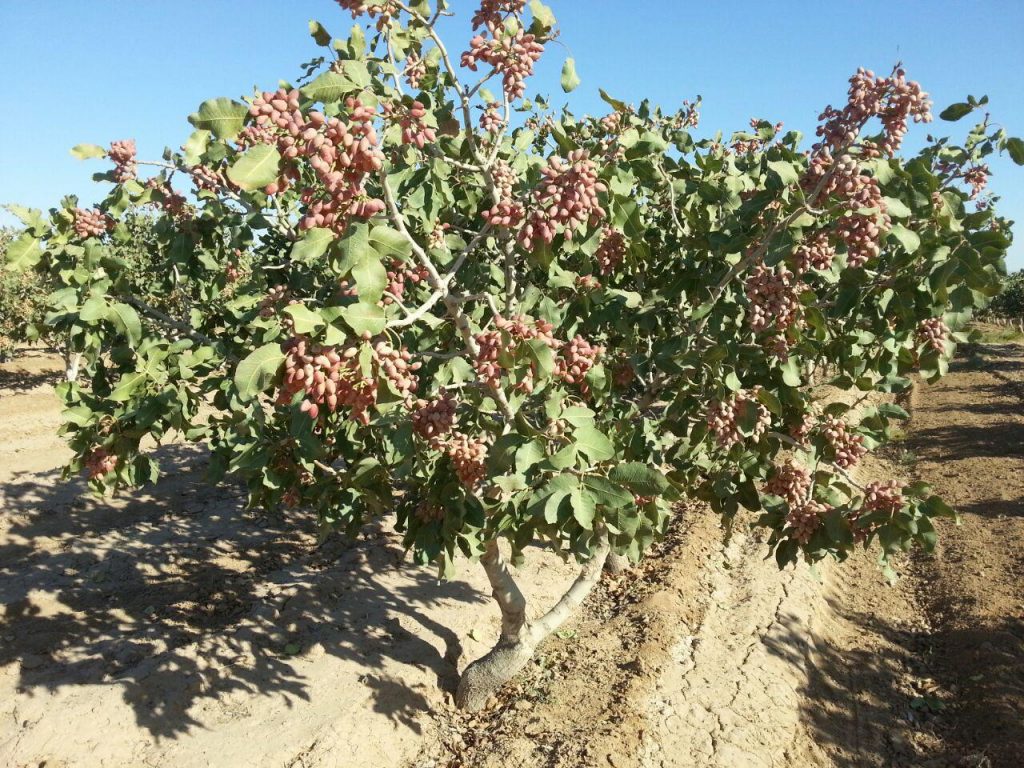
398,291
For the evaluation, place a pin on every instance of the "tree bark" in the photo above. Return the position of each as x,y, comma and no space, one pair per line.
616,564
519,639
72,362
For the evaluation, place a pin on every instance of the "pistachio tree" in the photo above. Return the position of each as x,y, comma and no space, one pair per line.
402,288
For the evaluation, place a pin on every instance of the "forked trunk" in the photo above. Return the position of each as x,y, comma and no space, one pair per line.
519,638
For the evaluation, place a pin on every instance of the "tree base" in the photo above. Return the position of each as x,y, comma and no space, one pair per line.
486,675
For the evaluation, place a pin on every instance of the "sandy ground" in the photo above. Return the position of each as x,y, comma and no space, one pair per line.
172,627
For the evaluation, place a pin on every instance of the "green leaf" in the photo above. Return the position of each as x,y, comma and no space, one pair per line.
195,146
257,168
791,373
24,252
529,455
305,319
329,87
639,478
542,15
954,112
908,238
255,373
357,73
93,309
594,443
223,116
570,80
770,401
127,385
364,318
390,242
371,277
607,493
542,357
583,508
353,246
319,34
618,106
86,151
313,245
127,321
785,170
896,208
1015,147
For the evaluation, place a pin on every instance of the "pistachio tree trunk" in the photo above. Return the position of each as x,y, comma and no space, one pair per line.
519,638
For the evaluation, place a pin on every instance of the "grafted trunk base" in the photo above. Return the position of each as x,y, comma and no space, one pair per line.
486,675
519,639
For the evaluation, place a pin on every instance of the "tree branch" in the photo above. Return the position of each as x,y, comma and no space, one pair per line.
506,593
571,600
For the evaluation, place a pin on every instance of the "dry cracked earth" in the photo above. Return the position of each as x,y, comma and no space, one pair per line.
173,627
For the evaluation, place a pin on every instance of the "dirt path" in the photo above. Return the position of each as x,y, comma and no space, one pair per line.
170,626
968,434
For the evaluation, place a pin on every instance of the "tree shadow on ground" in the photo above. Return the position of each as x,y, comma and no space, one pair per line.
964,441
23,381
31,368
947,697
177,594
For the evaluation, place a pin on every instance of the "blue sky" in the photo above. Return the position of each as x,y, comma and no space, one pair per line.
97,70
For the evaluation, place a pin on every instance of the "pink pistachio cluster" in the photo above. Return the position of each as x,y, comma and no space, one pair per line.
977,178
123,154
933,332
573,359
848,446
173,203
205,178
864,219
429,512
611,251
343,153
400,274
274,297
894,100
805,519
885,497
415,131
815,252
91,223
491,120
504,177
511,52
723,417
506,214
494,12
791,482
435,418
383,8
774,296
99,463
566,197
801,432
415,70
469,456
436,237
755,144
331,378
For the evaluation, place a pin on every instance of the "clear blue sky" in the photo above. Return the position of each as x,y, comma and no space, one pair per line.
97,70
